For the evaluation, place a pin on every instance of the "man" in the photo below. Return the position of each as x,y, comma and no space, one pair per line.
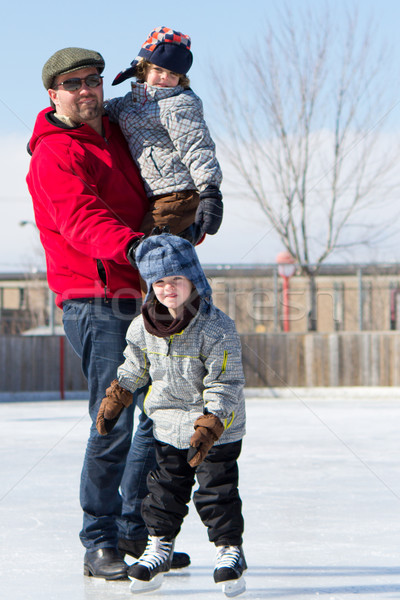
89,202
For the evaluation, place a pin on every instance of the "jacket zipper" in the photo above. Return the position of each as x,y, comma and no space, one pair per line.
154,162
169,344
103,276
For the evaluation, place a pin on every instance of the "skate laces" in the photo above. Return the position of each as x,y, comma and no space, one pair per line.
227,556
157,551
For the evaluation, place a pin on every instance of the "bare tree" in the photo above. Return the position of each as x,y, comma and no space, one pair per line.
301,127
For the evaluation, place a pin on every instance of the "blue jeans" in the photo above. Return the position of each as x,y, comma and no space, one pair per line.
113,479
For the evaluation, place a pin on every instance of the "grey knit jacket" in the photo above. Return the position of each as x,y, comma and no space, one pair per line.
199,368
168,138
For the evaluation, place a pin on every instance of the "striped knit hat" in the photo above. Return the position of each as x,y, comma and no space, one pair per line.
165,48
165,255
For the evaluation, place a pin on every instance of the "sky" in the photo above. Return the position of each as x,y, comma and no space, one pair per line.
32,31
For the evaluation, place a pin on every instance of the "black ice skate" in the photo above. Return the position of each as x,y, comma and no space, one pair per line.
229,567
147,573
135,548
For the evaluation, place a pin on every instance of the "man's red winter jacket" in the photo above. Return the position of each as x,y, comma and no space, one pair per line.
89,202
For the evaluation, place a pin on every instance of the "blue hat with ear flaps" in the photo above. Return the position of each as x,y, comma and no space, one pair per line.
165,48
164,255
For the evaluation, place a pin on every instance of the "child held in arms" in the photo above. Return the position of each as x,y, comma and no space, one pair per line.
162,120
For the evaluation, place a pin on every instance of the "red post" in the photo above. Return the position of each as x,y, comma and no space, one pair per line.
286,269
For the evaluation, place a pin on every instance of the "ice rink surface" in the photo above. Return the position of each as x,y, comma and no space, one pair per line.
319,479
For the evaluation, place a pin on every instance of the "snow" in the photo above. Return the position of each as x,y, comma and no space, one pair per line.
319,479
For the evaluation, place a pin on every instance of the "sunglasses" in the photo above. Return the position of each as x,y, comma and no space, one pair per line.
75,83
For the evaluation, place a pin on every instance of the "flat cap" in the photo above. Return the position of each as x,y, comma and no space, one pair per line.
68,60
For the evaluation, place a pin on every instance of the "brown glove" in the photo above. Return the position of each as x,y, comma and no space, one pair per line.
208,430
111,407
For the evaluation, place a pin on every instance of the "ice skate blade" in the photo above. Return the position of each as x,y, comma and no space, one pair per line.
139,587
233,587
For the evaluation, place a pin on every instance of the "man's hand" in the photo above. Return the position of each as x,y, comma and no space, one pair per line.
131,253
208,430
111,407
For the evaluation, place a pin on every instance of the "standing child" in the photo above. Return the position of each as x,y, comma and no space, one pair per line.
162,120
190,350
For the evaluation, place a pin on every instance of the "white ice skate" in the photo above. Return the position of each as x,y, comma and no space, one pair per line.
229,567
147,573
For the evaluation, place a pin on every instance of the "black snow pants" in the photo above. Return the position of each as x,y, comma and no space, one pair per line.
216,500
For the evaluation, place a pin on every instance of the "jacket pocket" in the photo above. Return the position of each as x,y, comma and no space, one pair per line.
101,271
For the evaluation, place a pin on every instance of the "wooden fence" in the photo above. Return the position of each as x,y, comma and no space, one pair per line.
39,363
48,363
322,360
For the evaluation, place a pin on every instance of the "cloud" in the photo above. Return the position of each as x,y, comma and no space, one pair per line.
245,237
19,246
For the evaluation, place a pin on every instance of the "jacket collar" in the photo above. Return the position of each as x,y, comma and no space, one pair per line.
142,92
158,321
